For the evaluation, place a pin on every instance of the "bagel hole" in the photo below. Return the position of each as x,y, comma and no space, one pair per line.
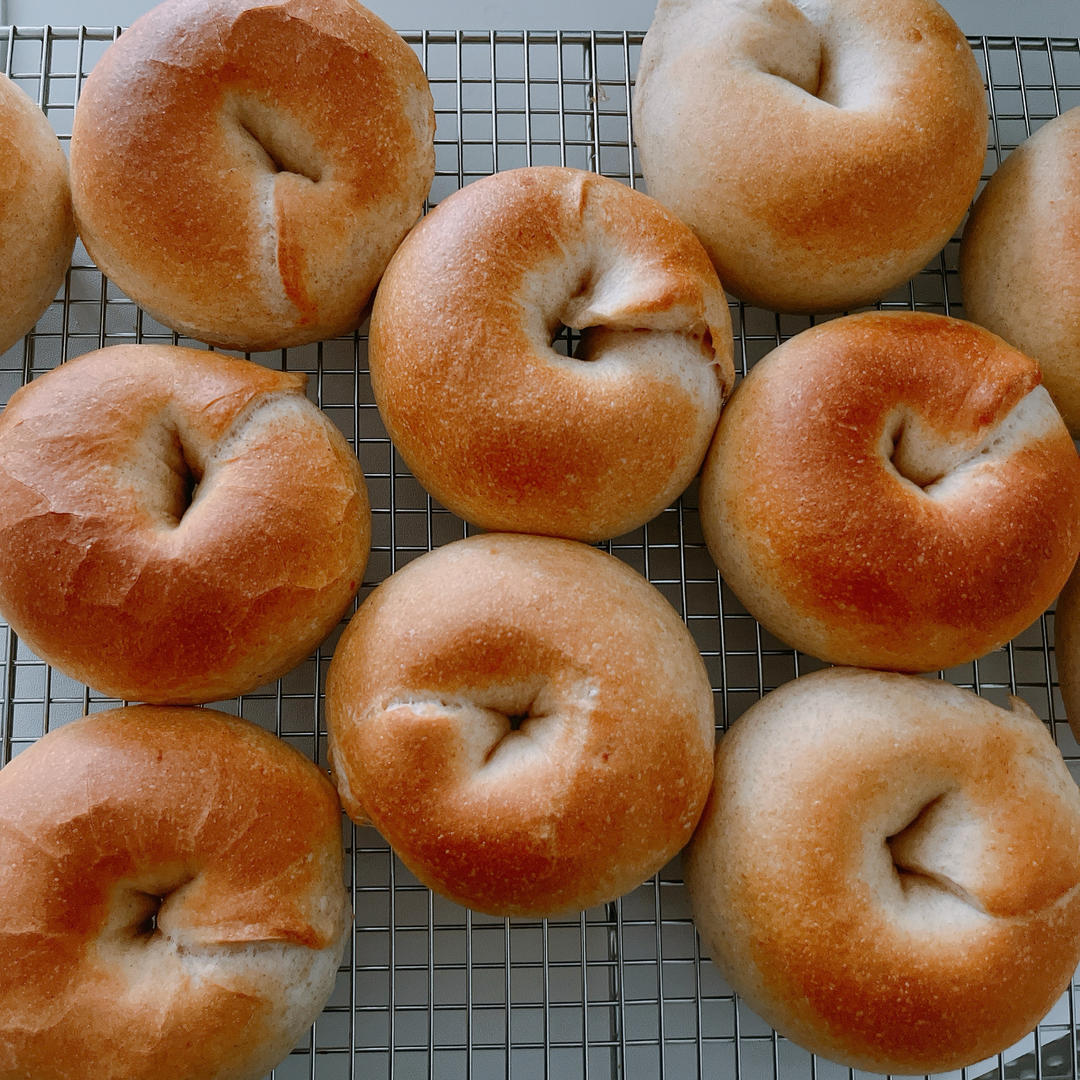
144,913
277,144
565,341
515,722
187,475
905,458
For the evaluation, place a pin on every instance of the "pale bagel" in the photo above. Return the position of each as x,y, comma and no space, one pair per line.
497,425
37,233
822,150
888,869
526,720
1020,257
175,525
172,899
245,170
893,491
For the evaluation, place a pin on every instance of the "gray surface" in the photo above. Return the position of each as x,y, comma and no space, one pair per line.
974,16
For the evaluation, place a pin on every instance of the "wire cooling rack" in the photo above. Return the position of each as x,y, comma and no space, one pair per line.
428,989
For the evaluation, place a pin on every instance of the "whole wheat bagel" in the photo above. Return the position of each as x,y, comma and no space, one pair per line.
1067,648
526,720
893,491
1020,257
888,869
37,233
175,525
244,170
496,424
172,898
822,150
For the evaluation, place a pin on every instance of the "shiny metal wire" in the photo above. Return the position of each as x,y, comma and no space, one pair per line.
428,988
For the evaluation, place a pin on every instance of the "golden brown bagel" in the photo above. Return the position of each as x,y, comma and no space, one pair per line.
526,720
822,150
245,170
115,569
893,491
1020,257
171,899
495,423
37,233
888,869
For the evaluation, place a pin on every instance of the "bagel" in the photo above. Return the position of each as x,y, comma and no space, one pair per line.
37,233
1020,257
527,722
245,170
497,425
175,525
888,869
1067,649
172,899
893,491
822,150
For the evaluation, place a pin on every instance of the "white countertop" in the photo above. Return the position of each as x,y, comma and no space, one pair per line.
1038,17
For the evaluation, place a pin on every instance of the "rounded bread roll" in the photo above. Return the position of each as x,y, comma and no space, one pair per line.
822,150
171,896
497,425
893,491
526,720
37,233
245,170
1020,257
888,869
1067,648
175,525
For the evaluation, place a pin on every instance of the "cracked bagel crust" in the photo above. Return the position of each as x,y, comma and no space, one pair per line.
191,529
888,869
526,720
245,170
172,904
893,491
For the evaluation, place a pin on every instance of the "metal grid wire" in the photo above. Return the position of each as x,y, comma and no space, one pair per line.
428,988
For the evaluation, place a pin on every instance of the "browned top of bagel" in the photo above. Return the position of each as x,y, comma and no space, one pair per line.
822,150
37,232
597,780
245,170
1020,257
894,490
489,417
113,569
888,869
170,893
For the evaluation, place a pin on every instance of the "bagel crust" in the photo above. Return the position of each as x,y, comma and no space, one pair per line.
172,903
244,170
822,150
1020,257
37,232
498,426
120,573
527,722
888,869
893,491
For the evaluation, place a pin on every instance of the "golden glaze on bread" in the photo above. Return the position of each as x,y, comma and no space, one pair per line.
37,233
171,899
888,869
107,572
245,170
894,491
1020,257
822,150
601,775
493,422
